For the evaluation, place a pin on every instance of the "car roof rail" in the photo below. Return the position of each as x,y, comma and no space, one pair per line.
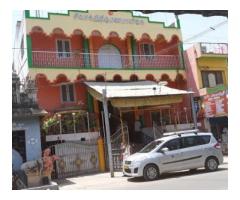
181,132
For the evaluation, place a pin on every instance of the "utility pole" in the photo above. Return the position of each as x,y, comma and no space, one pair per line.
193,111
106,116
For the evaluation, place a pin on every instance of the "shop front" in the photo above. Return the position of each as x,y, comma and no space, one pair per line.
216,112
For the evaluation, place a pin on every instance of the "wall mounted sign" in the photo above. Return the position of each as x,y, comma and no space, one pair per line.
216,104
107,19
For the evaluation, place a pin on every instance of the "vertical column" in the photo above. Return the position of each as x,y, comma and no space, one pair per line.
101,156
134,52
90,103
92,55
106,116
96,111
129,47
29,51
86,56
193,111
181,55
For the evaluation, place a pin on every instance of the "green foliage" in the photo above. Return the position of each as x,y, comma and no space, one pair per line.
50,122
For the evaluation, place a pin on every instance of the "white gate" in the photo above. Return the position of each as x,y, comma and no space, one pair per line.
76,158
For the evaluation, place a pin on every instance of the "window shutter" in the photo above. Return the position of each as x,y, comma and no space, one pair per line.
219,78
151,49
70,93
59,46
67,48
212,79
205,79
64,93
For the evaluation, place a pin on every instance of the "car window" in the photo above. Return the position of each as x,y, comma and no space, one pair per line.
172,144
203,139
189,141
149,147
194,141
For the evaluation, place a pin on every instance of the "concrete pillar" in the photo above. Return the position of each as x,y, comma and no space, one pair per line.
101,157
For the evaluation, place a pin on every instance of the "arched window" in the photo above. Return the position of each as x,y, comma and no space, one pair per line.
109,57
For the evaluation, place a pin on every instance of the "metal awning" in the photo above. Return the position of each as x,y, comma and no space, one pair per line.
134,94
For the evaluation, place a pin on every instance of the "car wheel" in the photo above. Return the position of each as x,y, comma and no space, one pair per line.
150,172
211,164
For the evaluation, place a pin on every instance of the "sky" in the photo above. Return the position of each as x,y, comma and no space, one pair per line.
191,25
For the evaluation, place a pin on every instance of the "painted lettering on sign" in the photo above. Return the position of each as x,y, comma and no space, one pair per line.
216,104
107,19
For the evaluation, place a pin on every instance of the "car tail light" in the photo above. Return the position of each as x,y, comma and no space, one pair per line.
217,145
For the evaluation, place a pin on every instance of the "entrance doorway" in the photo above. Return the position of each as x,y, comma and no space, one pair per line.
109,57
19,143
218,124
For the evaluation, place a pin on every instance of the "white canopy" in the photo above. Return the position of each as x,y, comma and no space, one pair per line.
134,89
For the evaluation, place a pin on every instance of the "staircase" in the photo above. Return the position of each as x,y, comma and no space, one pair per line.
120,149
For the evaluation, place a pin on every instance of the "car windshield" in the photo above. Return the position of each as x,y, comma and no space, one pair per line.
149,147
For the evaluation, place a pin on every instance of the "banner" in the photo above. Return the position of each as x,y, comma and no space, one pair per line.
216,104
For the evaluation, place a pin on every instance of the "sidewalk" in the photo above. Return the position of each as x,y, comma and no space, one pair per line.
100,180
91,181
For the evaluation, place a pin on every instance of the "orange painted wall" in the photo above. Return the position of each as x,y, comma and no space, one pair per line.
41,41
49,95
161,46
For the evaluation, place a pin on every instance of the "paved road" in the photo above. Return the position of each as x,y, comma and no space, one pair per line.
199,180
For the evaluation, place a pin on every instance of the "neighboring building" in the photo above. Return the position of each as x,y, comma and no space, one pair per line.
66,49
207,75
26,137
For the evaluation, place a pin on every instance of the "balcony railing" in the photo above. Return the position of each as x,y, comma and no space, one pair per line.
89,60
214,48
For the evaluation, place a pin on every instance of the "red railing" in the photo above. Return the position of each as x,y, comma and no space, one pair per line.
84,60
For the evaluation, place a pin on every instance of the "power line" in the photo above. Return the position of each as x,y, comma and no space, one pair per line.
212,28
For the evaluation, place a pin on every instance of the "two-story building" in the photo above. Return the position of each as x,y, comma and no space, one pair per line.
207,75
66,49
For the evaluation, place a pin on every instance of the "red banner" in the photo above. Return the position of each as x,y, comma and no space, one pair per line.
215,104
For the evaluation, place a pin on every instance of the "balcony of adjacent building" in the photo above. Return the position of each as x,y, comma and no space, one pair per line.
205,49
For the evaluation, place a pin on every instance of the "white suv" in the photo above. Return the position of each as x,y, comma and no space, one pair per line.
175,151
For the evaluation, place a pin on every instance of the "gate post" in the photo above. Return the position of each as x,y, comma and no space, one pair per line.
101,154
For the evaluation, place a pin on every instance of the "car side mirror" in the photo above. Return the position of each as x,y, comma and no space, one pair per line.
164,150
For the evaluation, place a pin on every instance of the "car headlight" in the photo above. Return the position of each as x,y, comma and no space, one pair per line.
128,162
135,163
